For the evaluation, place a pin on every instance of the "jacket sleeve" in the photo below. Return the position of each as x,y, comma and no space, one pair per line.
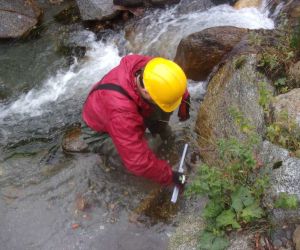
127,133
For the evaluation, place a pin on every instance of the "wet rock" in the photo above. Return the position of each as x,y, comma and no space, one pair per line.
285,178
187,6
198,53
73,141
288,103
129,3
163,2
18,17
75,43
137,11
230,87
4,91
296,238
248,4
69,15
96,10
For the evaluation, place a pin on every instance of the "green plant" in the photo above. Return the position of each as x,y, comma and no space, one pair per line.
234,188
284,132
278,53
265,97
239,62
287,201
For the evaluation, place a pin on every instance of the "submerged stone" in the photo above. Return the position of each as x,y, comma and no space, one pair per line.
73,142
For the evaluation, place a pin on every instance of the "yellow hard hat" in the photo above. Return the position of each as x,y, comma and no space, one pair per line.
165,82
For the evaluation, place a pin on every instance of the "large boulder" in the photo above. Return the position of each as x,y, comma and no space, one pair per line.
288,103
199,52
18,17
234,85
96,9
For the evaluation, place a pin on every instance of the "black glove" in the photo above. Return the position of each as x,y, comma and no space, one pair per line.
184,109
179,179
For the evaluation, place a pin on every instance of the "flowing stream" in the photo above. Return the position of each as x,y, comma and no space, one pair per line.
41,186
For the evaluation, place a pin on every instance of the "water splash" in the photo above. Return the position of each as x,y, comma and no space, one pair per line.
75,81
162,35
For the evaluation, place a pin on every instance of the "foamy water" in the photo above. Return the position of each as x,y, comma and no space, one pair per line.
168,27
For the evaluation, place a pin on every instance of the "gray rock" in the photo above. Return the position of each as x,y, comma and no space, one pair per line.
289,103
285,178
188,6
187,233
242,241
96,9
18,17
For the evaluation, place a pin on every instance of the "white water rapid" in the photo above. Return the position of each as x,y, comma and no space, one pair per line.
165,30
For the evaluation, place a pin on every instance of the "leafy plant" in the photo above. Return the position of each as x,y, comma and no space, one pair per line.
286,201
284,132
265,97
278,53
239,62
234,188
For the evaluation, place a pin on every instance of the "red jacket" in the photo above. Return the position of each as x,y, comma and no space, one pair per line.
123,119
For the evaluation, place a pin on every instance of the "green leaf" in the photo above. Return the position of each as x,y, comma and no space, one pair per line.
252,212
206,240
212,209
287,201
209,241
220,243
280,82
241,198
227,218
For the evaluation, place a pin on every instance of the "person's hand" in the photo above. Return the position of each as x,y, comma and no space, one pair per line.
184,108
179,179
